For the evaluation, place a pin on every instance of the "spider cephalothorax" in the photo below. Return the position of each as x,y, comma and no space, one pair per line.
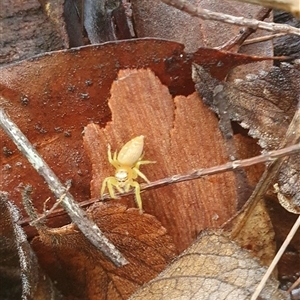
127,164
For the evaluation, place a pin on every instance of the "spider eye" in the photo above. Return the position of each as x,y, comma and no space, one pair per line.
121,176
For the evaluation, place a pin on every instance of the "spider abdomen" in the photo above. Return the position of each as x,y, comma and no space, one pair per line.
132,151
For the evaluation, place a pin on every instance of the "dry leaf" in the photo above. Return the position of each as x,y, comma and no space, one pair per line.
255,233
82,272
21,276
61,13
288,45
265,104
71,102
212,268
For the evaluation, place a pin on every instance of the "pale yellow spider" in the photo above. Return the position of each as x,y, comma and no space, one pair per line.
127,164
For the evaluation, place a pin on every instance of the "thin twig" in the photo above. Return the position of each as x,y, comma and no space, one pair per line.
261,39
229,166
36,219
196,174
276,259
29,207
206,14
294,285
78,216
292,6
234,43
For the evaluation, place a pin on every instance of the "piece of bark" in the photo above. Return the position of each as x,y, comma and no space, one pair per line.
180,135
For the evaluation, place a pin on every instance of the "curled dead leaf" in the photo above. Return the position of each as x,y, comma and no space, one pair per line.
82,272
265,104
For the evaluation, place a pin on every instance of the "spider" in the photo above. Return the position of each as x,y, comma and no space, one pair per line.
127,164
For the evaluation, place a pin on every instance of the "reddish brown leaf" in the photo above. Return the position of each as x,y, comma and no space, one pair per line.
163,21
82,272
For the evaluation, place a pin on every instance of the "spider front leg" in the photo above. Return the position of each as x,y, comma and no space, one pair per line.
110,182
113,161
138,199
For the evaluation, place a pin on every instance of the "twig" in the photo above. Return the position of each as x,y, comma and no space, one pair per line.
292,6
234,43
261,39
78,216
294,285
196,174
35,219
229,166
206,14
276,259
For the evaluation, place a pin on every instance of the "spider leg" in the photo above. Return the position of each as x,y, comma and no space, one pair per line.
128,185
137,166
115,156
109,153
139,173
110,182
104,184
144,162
138,198
113,161
120,190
